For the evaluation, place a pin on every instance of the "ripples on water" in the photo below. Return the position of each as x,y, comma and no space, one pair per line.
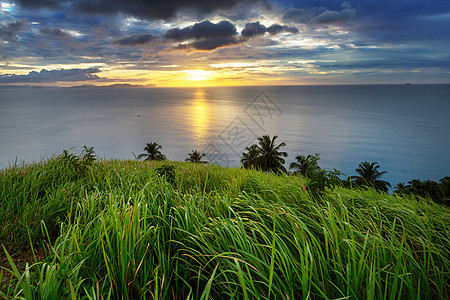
404,128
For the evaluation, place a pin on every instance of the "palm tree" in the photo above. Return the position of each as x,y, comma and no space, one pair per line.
305,165
369,174
415,183
444,185
270,158
196,157
250,159
400,187
153,152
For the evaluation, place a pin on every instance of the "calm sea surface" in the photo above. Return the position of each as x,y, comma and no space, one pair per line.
405,128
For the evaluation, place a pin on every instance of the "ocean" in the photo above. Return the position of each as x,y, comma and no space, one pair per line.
405,128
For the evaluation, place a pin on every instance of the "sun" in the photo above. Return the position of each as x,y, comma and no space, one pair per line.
199,75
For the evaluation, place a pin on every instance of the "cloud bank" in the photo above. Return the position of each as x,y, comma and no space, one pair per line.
320,15
52,76
257,29
203,36
55,33
375,39
8,31
209,36
135,39
203,30
144,9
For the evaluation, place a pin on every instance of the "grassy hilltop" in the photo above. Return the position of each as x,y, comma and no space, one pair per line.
118,229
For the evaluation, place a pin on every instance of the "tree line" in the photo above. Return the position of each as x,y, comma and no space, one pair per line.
267,155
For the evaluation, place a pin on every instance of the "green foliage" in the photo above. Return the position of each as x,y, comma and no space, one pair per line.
437,192
249,159
153,152
214,233
444,185
196,157
265,155
305,165
80,163
369,177
320,180
166,172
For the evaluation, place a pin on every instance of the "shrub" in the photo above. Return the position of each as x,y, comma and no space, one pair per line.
321,179
80,163
167,172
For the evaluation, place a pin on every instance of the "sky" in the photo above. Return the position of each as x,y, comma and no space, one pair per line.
175,43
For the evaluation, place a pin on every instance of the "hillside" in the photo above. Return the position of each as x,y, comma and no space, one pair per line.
119,229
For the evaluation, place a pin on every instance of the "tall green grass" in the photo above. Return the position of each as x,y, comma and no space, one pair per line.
122,232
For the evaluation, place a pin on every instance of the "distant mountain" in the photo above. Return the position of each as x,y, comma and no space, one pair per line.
84,86
126,85
116,85
13,86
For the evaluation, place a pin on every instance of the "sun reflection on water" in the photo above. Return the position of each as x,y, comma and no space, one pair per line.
200,114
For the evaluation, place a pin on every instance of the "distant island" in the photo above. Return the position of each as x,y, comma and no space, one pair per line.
26,86
116,85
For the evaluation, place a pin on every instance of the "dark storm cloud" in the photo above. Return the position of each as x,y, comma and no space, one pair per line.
55,33
401,34
209,36
276,28
8,31
211,43
52,76
135,39
257,29
40,3
145,9
206,35
203,30
253,29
